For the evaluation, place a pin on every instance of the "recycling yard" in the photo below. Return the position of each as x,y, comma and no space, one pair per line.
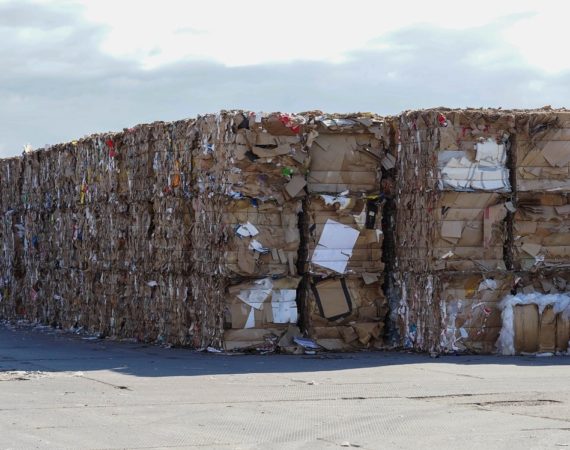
61,390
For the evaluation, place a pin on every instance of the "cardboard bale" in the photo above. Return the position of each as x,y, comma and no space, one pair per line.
451,311
541,225
263,238
258,312
461,231
456,150
346,312
242,154
535,317
472,320
347,153
542,151
100,241
447,162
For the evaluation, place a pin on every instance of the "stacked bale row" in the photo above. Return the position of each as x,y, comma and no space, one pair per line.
246,237
536,318
345,302
233,229
453,199
99,240
267,185
481,214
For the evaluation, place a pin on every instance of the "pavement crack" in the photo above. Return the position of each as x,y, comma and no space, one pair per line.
534,402
115,386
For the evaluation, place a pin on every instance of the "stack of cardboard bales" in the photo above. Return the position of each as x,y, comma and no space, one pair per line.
12,269
244,230
249,177
536,319
345,302
453,201
98,240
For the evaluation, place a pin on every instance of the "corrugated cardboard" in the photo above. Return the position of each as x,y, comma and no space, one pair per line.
527,331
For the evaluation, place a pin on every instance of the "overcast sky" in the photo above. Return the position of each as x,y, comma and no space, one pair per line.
74,67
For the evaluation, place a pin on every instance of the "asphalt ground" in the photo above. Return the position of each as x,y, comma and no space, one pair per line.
59,390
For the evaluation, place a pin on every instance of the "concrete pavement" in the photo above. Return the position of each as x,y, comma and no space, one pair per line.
62,391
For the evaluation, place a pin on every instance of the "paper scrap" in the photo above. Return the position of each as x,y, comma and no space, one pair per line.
250,322
487,283
509,205
306,343
258,246
369,278
247,230
257,296
335,245
389,161
331,200
284,305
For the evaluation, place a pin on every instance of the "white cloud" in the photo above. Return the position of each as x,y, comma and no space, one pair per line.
542,39
256,32
70,69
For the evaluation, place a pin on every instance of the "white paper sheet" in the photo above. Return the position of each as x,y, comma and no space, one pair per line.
284,306
250,323
486,173
335,246
256,297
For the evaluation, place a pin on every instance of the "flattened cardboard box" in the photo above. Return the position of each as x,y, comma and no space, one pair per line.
341,162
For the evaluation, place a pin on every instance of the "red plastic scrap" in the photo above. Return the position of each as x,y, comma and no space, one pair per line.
111,145
286,120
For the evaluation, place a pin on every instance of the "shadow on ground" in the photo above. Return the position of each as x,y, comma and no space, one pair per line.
50,351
